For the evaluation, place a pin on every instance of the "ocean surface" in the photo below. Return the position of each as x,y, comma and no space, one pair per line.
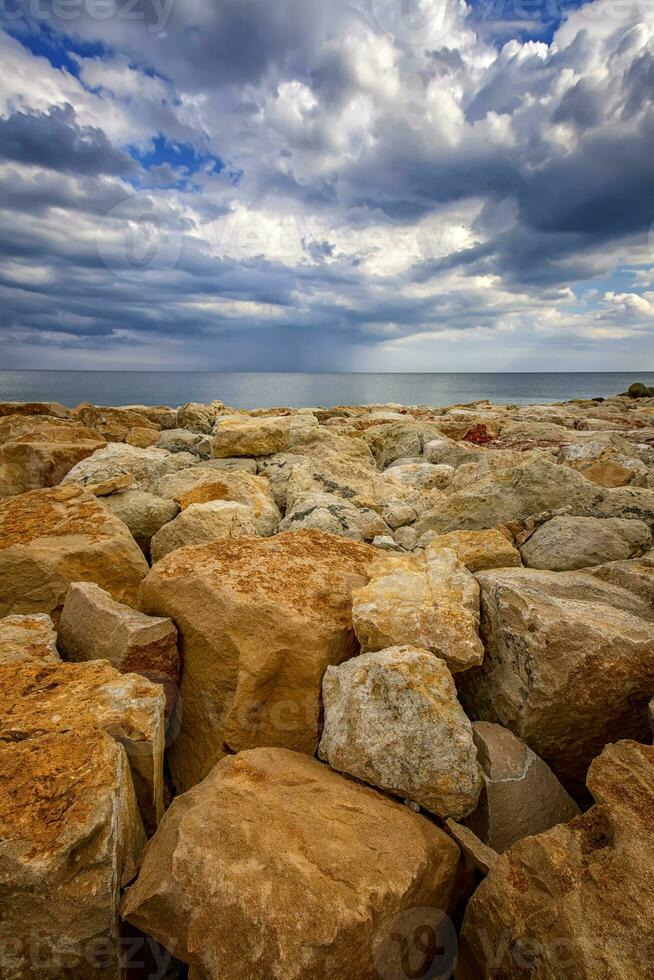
262,390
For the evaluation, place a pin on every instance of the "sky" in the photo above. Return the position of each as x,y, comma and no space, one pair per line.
327,185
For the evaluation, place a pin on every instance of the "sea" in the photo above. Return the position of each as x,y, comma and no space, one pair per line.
300,390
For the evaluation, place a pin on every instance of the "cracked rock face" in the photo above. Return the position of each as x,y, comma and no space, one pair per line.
70,836
327,512
570,902
393,720
429,601
260,619
37,452
569,663
201,484
276,868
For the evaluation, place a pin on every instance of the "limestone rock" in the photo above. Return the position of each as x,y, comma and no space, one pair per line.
277,469
185,441
566,543
448,452
93,626
42,698
243,436
143,513
201,523
147,466
200,484
569,902
114,424
142,437
521,794
428,601
397,440
30,638
260,620
54,409
199,418
393,720
276,868
49,538
70,835
161,416
422,476
478,550
327,512
569,664
38,452
355,482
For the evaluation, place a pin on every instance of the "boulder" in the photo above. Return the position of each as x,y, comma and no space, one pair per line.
277,470
327,512
201,523
114,424
50,538
393,720
566,543
41,698
355,482
30,638
143,513
569,664
260,620
142,437
70,836
397,440
54,409
201,484
277,867
161,416
449,452
185,441
199,418
570,902
477,550
93,626
38,452
146,466
244,436
421,476
477,854
429,601
521,795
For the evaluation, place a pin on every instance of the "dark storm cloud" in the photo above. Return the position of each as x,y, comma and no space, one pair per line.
53,140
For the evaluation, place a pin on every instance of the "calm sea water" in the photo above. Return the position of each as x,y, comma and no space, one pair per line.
305,390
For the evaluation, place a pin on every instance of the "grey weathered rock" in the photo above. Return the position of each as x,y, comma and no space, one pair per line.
201,523
521,794
327,512
185,441
143,513
422,476
569,664
146,466
200,418
393,720
567,543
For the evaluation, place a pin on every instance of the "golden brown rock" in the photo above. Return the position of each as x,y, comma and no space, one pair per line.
70,836
260,619
50,538
202,484
277,868
114,424
571,902
479,550
38,451
40,698
28,638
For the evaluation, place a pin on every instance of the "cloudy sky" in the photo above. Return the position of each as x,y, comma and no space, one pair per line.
366,185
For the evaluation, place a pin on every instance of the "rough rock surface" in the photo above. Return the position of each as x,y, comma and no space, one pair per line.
521,794
569,902
429,601
393,720
41,698
146,466
115,424
567,543
93,626
70,836
569,664
201,484
50,538
243,436
260,620
143,513
276,868
327,512
201,523
31,638
38,452
422,476
478,550
355,482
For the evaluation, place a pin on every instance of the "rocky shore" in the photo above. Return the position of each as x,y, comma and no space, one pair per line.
357,692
